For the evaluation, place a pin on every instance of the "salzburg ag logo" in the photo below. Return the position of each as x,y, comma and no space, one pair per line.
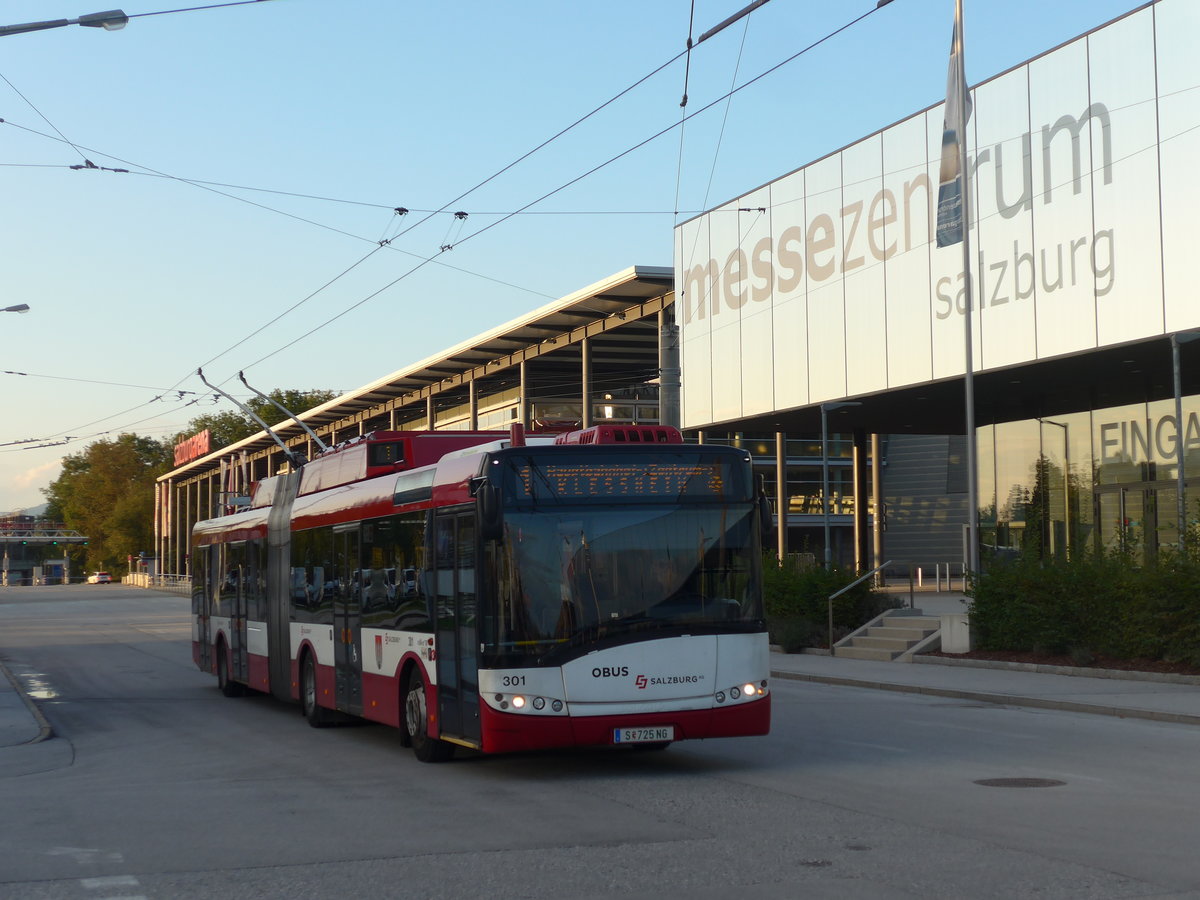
640,681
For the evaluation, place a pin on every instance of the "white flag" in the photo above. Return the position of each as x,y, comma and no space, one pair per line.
954,125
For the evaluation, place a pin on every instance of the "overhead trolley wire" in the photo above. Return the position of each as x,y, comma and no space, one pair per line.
687,70
586,174
425,261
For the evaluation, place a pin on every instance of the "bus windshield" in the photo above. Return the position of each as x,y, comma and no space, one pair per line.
570,577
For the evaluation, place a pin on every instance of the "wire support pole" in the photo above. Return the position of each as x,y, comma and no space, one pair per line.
972,556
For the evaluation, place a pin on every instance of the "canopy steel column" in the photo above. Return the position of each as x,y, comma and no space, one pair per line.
877,506
187,529
862,534
180,526
781,497
523,399
472,405
585,380
430,417
668,368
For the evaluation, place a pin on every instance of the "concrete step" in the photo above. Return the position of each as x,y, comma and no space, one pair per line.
890,638
881,642
928,623
864,653
896,632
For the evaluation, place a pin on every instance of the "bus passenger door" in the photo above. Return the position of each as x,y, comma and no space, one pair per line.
233,604
457,629
347,619
202,578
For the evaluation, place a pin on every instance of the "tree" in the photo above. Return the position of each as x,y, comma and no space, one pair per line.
230,427
106,492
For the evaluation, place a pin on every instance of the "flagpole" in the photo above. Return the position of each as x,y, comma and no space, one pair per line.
972,555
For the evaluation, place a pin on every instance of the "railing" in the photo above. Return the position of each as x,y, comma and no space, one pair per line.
943,575
171,584
838,593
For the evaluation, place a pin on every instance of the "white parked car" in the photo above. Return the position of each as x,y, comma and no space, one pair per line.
99,578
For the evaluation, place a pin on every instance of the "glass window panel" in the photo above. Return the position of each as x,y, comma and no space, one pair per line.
790,338
1017,466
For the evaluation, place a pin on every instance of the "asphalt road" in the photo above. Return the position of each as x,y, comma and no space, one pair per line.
156,786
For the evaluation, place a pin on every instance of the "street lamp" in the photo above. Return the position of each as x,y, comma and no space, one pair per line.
826,408
19,308
111,20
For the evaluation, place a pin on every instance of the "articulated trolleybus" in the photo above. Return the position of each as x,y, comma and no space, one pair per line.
498,592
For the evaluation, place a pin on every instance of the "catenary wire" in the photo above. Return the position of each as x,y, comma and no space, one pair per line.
425,261
566,185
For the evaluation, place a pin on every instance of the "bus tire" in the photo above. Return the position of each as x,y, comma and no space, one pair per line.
227,686
317,715
405,676
425,748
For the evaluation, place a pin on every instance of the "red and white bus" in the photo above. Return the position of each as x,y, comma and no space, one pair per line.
498,592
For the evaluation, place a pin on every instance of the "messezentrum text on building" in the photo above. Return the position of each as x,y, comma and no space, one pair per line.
826,287
822,296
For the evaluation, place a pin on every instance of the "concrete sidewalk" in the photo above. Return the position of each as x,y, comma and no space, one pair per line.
1107,692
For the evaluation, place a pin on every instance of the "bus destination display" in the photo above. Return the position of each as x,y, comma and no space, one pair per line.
605,480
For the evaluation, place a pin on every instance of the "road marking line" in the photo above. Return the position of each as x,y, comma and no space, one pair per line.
108,881
873,746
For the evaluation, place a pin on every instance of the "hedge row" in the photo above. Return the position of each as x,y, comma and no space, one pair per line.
1100,604
797,604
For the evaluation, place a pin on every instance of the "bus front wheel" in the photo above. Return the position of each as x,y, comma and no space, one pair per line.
416,719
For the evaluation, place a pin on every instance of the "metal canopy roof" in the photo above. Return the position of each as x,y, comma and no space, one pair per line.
636,348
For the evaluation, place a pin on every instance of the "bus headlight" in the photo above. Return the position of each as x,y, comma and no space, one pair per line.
747,691
525,704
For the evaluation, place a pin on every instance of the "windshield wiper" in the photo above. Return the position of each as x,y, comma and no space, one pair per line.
536,470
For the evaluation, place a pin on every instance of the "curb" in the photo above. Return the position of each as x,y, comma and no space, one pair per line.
1000,699
45,730
1080,671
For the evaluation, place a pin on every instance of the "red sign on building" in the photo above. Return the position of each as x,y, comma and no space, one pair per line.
193,448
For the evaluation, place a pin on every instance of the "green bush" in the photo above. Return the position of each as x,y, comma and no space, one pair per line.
1103,603
797,603
794,634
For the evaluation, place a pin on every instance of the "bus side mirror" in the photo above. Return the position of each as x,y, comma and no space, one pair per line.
489,513
765,518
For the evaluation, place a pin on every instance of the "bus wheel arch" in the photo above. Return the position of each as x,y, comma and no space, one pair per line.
317,715
407,667
227,686
416,721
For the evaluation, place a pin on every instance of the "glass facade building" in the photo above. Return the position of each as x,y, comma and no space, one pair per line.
827,286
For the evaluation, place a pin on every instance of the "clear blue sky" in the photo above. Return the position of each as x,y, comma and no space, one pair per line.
137,279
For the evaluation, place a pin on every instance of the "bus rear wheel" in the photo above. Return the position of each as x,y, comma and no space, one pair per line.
416,720
317,715
227,686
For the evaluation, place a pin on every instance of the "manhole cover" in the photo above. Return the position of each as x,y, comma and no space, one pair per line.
1019,782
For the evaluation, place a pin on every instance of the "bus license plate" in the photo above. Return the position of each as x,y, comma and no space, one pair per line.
650,735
